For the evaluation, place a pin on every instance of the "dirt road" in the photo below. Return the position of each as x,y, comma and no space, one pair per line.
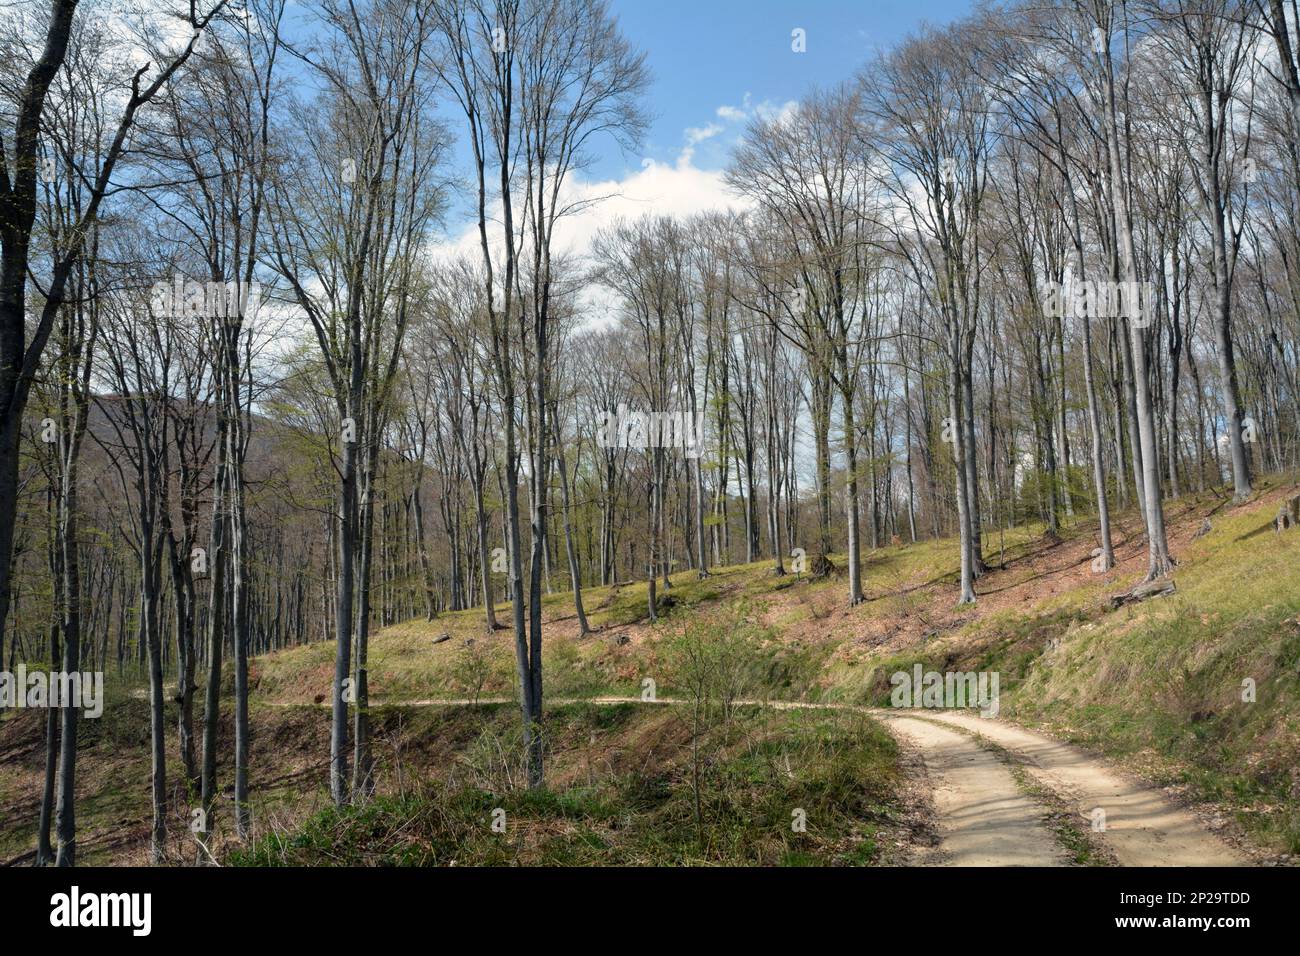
1140,824
984,818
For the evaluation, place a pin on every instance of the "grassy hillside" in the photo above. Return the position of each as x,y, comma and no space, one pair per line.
1163,686
621,790
1156,685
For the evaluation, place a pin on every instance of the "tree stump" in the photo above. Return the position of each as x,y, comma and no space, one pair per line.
1288,516
822,567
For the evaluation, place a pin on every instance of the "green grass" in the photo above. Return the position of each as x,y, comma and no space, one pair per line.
760,767
1157,686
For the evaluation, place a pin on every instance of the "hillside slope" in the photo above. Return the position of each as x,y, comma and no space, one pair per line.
1157,686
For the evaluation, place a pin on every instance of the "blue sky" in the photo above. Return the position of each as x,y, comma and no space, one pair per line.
707,54
715,64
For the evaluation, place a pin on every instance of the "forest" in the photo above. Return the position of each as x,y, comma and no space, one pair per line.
299,355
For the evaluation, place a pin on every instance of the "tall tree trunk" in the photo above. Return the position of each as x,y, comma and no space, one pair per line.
575,572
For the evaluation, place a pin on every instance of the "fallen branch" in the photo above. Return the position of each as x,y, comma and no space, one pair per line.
1142,592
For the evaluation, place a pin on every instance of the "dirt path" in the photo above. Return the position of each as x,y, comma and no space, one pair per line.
984,817
1141,825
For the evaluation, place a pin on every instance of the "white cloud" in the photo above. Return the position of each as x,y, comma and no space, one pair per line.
660,189
694,135
698,134
678,188
767,110
735,114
